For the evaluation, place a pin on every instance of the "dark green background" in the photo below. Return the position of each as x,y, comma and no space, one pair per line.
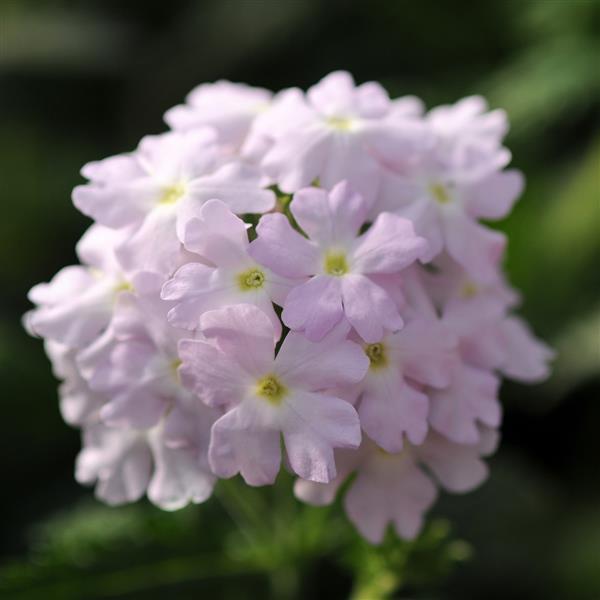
82,80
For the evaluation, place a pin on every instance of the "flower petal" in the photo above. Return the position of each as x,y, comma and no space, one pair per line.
389,246
209,374
282,248
214,233
313,425
471,398
368,308
390,488
494,196
477,248
332,362
390,409
329,218
240,443
237,185
314,307
244,334
458,467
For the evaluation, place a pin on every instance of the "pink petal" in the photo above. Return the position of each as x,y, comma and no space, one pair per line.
139,408
332,362
349,160
458,467
368,308
427,351
526,357
471,398
209,374
313,425
296,159
117,205
138,253
118,460
397,143
245,335
314,307
389,246
322,494
334,94
494,196
196,288
282,248
214,233
390,409
389,489
477,248
329,218
177,478
78,319
241,444
237,185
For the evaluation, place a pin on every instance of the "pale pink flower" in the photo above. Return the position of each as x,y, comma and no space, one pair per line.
118,461
394,488
134,363
229,108
471,399
187,353
266,396
469,137
479,314
168,462
456,183
159,187
76,306
230,275
338,131
340,262
391,400
79,405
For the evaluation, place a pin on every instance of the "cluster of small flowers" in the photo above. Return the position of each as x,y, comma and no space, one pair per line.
299,266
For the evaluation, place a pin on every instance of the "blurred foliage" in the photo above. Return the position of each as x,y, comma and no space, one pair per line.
267,540
82,79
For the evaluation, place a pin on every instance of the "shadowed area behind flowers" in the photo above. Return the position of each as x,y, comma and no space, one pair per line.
85,80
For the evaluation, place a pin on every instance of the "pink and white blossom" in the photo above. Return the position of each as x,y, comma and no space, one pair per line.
305,272
266,397
229,274
394,488
159,187
338,261
338,131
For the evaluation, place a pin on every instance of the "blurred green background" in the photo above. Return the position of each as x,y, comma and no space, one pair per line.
85,79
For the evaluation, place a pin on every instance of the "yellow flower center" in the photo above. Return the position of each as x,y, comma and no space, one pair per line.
124,286
377,355
271,389
253,279
469,289
440,193
174,366
335,264
171,194
340,123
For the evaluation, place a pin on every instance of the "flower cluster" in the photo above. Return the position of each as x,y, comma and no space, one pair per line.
298,276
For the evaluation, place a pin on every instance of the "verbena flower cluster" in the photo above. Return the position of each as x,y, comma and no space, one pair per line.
299,278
